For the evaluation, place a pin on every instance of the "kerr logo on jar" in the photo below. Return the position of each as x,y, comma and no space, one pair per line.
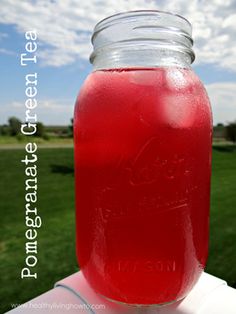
150,166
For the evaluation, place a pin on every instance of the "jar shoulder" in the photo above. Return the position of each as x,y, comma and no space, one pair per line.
120,82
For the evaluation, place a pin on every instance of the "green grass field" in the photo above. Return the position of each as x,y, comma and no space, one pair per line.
15,142
56,245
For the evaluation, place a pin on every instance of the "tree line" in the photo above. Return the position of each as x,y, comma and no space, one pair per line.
13,128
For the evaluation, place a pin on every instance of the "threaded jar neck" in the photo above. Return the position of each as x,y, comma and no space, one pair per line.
142,39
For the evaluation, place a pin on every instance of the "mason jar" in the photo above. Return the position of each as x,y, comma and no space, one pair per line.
142,137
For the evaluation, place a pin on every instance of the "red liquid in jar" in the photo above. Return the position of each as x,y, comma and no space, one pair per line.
142,166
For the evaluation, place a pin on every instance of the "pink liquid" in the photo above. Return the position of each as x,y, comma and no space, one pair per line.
143,164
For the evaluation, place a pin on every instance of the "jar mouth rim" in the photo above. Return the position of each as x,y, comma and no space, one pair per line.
143,29
133,13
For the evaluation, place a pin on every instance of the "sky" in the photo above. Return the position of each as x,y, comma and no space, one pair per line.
64,29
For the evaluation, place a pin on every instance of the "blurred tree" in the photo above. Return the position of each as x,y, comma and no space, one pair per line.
230,132
14,126
40,130
4,129
70,128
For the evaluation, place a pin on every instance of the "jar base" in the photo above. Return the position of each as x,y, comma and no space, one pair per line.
153,305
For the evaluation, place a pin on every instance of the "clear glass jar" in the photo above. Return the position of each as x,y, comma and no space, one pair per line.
142,134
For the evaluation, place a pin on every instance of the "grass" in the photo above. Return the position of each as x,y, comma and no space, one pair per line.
222,254
56,247
14,141
56,253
